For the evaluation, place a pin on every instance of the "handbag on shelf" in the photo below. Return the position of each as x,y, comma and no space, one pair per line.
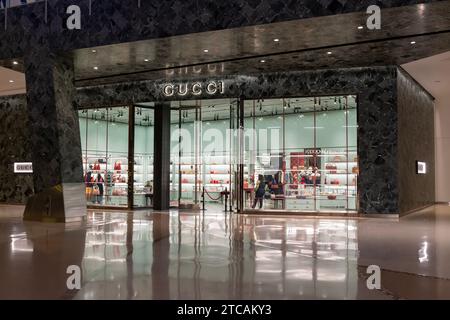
355,170
118,166
332,168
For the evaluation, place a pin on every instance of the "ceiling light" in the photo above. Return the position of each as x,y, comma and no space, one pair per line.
94,51
276,40
262,61
360,27
95,68
413,42
11,81
146,60
329,52
15,63
206,51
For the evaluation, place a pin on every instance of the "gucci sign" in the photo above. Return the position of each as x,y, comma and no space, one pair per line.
195,88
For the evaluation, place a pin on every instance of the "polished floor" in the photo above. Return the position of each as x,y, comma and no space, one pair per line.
172,255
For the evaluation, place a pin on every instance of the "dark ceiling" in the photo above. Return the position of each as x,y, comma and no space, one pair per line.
302,44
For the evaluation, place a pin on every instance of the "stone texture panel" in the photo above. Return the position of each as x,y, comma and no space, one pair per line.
416,143
14,147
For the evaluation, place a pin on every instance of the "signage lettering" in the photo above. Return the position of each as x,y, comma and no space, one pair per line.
196,88
23,167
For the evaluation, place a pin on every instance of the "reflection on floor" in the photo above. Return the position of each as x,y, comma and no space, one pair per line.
172,255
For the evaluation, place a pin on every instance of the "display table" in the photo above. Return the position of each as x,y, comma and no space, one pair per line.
277,200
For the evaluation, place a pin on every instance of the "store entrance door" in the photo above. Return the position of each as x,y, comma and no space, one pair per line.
203,156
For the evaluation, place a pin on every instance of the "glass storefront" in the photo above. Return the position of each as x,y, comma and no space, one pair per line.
290,154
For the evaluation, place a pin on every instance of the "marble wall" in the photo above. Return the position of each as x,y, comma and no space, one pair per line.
14,147
376,88
415,143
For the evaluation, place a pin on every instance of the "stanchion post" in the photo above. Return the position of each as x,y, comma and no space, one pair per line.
203,198
226,199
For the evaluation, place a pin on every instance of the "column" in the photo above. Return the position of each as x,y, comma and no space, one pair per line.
161,169
55,139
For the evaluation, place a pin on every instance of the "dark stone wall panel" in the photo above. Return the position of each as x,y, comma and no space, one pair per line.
376,88
14,147
416,143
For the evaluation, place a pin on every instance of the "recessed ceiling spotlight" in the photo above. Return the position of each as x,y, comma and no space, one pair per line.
329,52
94,51
262,61
413,42
360,27
95,68
276,40
205,50
146,60
11,81
15,63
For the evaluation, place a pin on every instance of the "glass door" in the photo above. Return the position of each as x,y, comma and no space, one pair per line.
186,173
143,155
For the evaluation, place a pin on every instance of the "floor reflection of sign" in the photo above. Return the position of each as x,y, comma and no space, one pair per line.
23,167
421,167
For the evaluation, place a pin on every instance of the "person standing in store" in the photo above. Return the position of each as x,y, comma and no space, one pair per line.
260,191
100,181
89,184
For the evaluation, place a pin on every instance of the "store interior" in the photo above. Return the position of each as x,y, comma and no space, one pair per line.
300,153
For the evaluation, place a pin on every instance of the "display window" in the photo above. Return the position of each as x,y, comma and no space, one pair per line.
303,155
105,149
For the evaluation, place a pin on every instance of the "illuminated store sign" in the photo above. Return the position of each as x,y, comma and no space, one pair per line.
195,88
421,167
23,167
